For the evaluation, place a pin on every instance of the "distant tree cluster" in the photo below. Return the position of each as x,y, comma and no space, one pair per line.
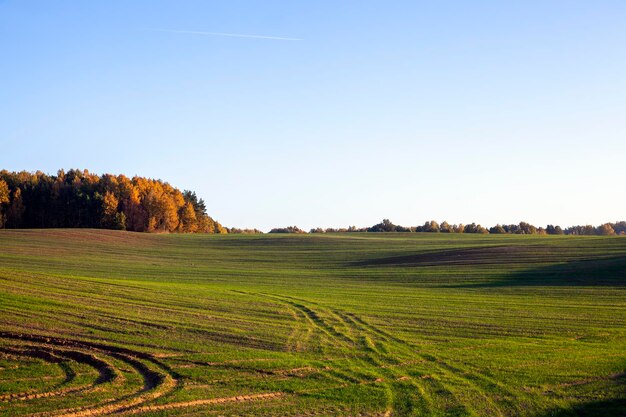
523,228
235,230
290,229
339,230
80,199
607,229
387,226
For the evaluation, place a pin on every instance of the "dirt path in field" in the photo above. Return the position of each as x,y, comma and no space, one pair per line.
61,358
195,403
157,378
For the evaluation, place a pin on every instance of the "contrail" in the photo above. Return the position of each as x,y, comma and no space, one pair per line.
231,35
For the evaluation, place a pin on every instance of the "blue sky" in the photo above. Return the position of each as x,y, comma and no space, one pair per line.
484,111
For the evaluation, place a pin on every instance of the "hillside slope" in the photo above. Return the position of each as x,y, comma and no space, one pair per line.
94,322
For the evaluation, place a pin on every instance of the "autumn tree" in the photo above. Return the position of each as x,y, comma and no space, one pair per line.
527,229
474,228
188,221
109,210
431,226
497,229
619,227
445,227
606,230
119,223
4,202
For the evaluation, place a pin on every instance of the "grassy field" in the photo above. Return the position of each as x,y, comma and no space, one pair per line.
94,322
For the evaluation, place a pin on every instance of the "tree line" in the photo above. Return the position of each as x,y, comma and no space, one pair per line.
81,199
523,228
78,198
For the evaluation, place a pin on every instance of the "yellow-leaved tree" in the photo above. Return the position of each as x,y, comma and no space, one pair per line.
109,211
4,201
188,221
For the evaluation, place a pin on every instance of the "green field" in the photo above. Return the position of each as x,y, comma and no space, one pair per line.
94,322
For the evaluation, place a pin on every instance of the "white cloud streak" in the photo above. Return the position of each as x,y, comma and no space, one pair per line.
230,35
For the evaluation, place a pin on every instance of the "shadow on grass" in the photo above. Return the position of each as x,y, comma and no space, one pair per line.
517,266
488,255
609,272
614,404
607,408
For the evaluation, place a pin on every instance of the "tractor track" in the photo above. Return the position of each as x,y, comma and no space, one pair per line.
157,378
436,388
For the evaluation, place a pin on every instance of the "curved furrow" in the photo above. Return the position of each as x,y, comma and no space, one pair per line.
50,357
208,401
156,378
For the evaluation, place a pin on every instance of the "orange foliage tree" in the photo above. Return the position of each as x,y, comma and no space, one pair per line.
81,199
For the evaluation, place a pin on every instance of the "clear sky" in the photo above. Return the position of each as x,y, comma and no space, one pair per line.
486,111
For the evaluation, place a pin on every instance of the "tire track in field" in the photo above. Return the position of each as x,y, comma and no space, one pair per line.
398,387
157,378
456,373
196,403
63,360
301,334
329,331
471,380
409,393
371,342
406,394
